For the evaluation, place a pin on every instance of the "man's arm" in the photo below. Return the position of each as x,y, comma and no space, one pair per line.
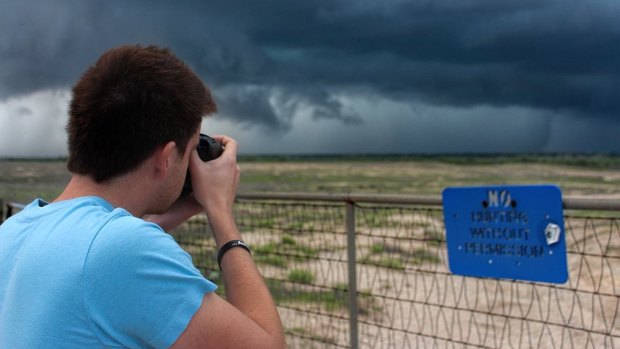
248,318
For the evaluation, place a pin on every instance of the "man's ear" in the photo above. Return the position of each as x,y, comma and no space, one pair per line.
163,159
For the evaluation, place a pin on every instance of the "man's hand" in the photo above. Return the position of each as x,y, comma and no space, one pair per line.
248,317
215,187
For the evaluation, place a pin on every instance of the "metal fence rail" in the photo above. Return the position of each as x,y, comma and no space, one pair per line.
370,271
365,271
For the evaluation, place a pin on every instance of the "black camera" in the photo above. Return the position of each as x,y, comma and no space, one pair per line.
208,149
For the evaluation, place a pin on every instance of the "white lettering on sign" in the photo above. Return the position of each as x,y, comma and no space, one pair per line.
499,198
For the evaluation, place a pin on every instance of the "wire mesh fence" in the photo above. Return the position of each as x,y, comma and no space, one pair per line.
405,295
300,249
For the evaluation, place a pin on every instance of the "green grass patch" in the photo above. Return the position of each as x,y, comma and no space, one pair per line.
377,248
276,261
279,253
387,262
301,276
288,240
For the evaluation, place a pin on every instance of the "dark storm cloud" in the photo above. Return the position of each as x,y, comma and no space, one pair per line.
268,59
251,103
551,54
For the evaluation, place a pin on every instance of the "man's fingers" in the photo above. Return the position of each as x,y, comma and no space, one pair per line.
230,145
225,140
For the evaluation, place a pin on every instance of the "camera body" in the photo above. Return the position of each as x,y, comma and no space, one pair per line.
208,149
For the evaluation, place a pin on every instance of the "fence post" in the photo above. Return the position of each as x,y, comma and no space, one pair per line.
352,271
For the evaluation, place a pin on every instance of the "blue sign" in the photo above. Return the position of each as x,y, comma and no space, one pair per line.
512,232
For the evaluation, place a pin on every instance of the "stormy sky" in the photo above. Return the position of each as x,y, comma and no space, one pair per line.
336,76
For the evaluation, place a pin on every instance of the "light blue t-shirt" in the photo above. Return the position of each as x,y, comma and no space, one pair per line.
81,274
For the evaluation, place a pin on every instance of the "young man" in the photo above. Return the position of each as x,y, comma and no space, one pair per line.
87,271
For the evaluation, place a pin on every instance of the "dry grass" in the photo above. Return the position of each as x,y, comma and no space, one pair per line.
22,181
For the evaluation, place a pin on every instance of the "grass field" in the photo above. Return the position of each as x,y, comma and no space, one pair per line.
596,176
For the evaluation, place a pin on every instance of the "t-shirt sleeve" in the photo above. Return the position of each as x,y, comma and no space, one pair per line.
140,288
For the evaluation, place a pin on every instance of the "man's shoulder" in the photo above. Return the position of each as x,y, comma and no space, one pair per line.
109,222
123,222
127,237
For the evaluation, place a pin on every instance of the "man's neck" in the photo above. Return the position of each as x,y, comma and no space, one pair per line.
119,192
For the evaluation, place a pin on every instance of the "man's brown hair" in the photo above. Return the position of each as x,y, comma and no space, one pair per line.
130,102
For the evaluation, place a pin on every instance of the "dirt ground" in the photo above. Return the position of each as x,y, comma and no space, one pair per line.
424,302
